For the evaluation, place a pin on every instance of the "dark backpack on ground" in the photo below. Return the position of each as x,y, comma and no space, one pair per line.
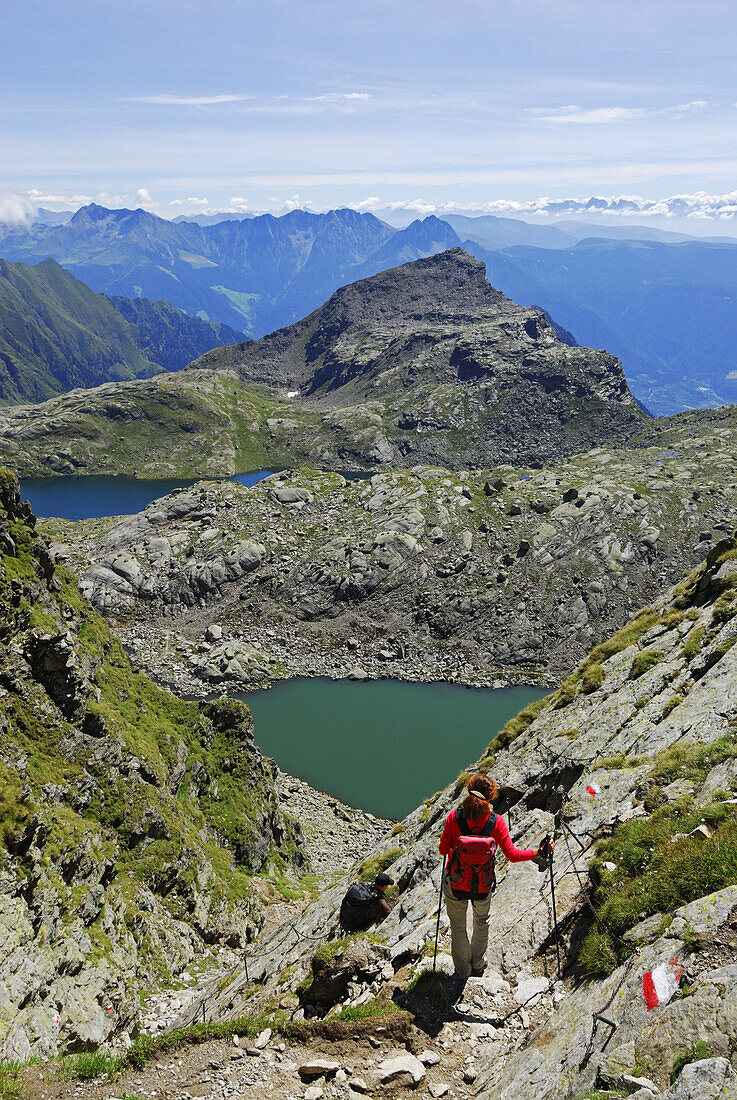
355,907
471,867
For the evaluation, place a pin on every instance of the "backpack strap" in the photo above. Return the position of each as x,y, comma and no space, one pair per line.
466,830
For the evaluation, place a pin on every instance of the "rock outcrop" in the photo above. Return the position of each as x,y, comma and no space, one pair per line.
415,574
633,763
131,822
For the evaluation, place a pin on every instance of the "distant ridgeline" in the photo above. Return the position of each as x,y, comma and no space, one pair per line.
57,334
131,823
644,300
424,363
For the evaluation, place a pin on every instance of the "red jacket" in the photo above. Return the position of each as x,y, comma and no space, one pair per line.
451,836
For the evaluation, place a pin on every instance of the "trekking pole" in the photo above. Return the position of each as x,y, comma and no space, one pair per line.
555,916
437,923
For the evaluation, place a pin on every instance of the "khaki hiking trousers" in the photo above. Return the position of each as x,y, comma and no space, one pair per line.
467,956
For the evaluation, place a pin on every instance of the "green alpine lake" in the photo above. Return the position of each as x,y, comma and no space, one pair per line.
383,745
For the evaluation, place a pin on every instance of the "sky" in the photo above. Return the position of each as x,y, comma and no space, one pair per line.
510,106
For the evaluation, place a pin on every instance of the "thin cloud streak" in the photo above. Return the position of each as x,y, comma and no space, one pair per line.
593,116
184,100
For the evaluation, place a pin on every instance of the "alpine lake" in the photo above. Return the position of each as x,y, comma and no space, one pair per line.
383,745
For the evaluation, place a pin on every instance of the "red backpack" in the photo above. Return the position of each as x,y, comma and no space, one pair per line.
471,867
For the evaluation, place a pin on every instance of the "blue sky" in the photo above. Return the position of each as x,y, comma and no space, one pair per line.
253,104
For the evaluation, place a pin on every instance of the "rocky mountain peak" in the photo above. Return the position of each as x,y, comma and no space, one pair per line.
90,214
447,285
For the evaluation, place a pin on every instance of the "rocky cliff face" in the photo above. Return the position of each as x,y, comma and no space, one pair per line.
417,574
443,350
632,763
130,822
424,363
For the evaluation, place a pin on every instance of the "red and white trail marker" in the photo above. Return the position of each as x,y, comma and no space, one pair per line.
660,983
592,789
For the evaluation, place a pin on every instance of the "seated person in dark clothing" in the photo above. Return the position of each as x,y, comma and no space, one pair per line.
364,904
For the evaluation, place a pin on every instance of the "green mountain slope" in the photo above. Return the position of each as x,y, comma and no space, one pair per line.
131,822
56,334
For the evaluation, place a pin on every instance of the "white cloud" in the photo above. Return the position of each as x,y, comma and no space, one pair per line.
16,208
592,116
145,199
700,204
185,100
192,203
281,104
40,198
336,97
685,108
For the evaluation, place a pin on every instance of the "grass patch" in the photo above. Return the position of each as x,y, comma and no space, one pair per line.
592,677
88,1066
370,868
656,874
589,676
375,1009
692,645
145,1047
643,662
620,761
696,1053
10,1086
597,956
674,701
517,725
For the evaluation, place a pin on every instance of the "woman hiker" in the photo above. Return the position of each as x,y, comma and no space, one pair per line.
469,840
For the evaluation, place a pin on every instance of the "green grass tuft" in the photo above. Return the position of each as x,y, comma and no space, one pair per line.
10,1087
88,1066
696,1053
374,1009
370,868
643,662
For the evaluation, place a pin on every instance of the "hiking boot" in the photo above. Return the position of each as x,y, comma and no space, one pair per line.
457,984
478,972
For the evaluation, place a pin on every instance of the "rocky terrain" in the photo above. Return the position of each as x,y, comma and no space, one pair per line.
131,823
423,363
632,765
479,577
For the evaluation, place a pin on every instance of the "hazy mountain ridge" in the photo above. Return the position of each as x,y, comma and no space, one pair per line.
643,299
57,334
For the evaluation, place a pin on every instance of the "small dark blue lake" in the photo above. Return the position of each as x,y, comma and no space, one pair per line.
383,745
92,497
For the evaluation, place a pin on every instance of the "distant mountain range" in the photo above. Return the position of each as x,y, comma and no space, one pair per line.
662,303
57,334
